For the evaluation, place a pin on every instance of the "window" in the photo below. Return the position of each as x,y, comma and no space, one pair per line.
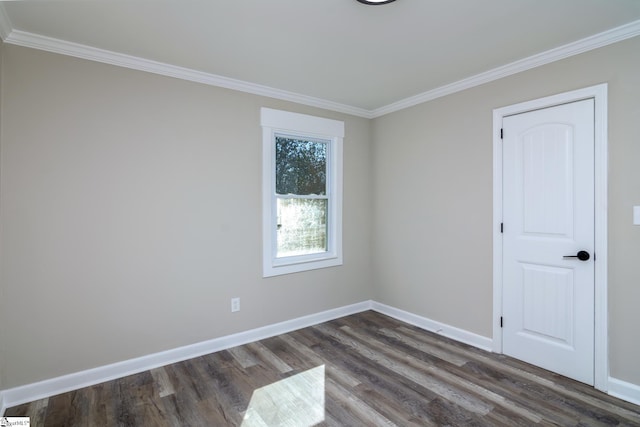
302,192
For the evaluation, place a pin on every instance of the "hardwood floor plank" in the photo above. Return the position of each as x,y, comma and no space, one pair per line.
552,383
243,356
516,394
443,355
307,352
177,411
162,380
98,400
399,391
449,414
425,379
293,401
23,410
39,411
362,370
340,414
283,349
230,398
446,376
137,404
267,356
395,413
189,391
58,409
355,406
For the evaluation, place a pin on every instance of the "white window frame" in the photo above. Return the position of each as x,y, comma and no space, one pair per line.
285,123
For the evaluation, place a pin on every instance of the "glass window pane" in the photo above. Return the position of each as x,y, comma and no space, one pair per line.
302,226
301,166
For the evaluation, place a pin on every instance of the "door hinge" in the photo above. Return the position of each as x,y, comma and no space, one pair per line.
502,227
501,133
501,321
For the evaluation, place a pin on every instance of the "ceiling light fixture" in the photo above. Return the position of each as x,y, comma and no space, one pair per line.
374,2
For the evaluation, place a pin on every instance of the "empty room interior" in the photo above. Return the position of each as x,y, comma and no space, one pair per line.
468,170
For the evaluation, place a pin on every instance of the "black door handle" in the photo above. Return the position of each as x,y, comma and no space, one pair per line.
582,256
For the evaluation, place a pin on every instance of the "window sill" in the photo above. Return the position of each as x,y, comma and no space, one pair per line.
297,266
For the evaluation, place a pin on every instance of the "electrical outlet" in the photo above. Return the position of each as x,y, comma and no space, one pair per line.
235,304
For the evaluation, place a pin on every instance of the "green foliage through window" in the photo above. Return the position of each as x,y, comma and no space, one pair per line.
301,166
302,159
301,193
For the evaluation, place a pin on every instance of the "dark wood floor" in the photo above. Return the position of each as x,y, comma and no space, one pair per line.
361,370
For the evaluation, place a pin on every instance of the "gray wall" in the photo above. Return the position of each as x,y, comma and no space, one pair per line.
131,214
130,210
433,197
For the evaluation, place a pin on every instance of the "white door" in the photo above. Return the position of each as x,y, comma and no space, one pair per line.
548,214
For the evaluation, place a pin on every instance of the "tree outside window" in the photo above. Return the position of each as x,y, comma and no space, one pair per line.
302,192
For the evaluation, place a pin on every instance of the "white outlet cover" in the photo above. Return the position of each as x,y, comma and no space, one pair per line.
636,215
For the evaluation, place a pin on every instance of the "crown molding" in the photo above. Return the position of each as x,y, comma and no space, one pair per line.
49,44
605,38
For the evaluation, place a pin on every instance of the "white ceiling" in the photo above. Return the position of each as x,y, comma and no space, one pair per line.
357,56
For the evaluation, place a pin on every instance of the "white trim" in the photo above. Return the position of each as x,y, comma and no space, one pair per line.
443,329
3,407
49,44
624,390
599,94
284,122
497,233
288,121
40,390
601,320
596,41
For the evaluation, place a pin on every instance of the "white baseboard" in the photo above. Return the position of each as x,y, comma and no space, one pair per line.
51,387
2,405
40,390
624,390
452,332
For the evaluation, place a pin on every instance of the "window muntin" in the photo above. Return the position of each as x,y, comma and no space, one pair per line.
302,192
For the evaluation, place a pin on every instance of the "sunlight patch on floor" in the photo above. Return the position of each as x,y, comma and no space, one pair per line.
295,401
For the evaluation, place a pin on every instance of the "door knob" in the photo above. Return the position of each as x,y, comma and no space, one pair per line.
582,256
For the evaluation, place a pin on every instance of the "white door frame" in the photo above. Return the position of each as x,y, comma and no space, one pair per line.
599,94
